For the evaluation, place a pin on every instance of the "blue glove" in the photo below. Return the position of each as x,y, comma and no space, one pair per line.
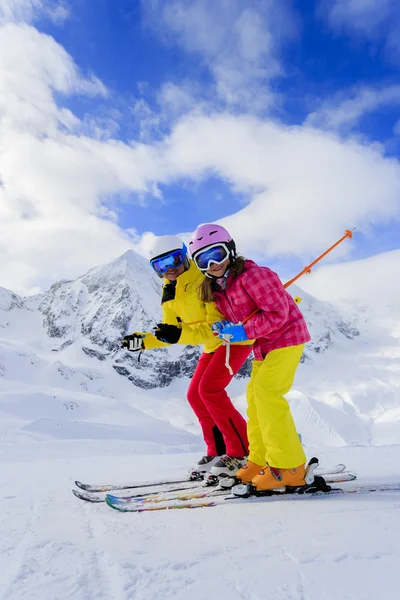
233,333
218,326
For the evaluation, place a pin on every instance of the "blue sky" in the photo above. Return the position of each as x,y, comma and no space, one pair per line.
114,40
319,81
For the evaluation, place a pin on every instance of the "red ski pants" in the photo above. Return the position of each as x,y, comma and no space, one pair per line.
212,405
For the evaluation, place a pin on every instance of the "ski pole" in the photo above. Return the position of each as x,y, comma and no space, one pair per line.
347,234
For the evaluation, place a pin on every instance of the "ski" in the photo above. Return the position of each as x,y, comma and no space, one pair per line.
143,508
88,496
202,492
110,487
335,470
190,502
99,497
195,476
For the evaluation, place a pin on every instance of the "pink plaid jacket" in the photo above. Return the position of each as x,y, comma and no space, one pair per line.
279,322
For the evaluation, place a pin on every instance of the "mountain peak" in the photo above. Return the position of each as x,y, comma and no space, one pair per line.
9,300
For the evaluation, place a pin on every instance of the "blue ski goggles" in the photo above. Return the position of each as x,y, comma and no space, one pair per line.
172,260
216,255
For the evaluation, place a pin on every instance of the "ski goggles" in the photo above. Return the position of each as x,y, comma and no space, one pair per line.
172,260
213,255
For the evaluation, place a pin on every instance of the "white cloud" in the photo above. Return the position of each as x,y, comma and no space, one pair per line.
156,113
371,19
238,42
59,179
304,186
29,10
32,69
343,112
178,99
55,220
149,121
364,15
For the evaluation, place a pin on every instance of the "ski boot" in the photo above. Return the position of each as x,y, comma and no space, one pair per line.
271,481
225,470
270,478
248,471
202,470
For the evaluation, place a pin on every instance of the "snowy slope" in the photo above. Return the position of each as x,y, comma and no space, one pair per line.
370,288
53,546
360,390
66,343
73,405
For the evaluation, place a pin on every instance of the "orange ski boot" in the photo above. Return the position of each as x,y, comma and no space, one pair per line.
270,478
248,471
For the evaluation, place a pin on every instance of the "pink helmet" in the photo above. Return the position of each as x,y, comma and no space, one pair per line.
208,235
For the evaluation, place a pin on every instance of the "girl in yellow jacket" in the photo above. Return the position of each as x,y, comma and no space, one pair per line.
223,427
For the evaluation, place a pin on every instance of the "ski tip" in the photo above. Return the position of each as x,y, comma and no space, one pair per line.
110,503
114,499
87,497
115,505
77,494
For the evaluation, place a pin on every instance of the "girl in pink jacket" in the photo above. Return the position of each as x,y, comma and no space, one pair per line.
256,306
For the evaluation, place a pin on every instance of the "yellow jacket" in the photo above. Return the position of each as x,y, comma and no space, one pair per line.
181,301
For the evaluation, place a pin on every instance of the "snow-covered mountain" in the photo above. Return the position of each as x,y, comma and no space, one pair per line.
88,317
60,356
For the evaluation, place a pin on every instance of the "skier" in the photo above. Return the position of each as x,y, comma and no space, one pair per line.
244,291
223,427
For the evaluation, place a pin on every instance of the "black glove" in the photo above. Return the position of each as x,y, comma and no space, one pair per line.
134,342
169,334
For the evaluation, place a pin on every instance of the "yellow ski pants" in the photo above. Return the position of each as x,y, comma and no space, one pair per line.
270,428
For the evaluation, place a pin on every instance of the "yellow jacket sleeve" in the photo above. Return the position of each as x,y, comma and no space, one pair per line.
200,333
168,316
195,335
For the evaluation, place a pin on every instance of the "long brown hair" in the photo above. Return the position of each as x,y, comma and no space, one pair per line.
205,291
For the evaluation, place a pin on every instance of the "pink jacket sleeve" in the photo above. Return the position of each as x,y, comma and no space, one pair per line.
267,291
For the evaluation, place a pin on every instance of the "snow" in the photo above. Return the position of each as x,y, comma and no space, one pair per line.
54,546
67,413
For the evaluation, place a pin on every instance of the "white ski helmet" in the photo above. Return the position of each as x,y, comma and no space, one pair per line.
167,252
164,244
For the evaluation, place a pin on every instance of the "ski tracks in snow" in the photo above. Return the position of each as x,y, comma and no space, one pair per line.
50,550
55,547
107,572
16,544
